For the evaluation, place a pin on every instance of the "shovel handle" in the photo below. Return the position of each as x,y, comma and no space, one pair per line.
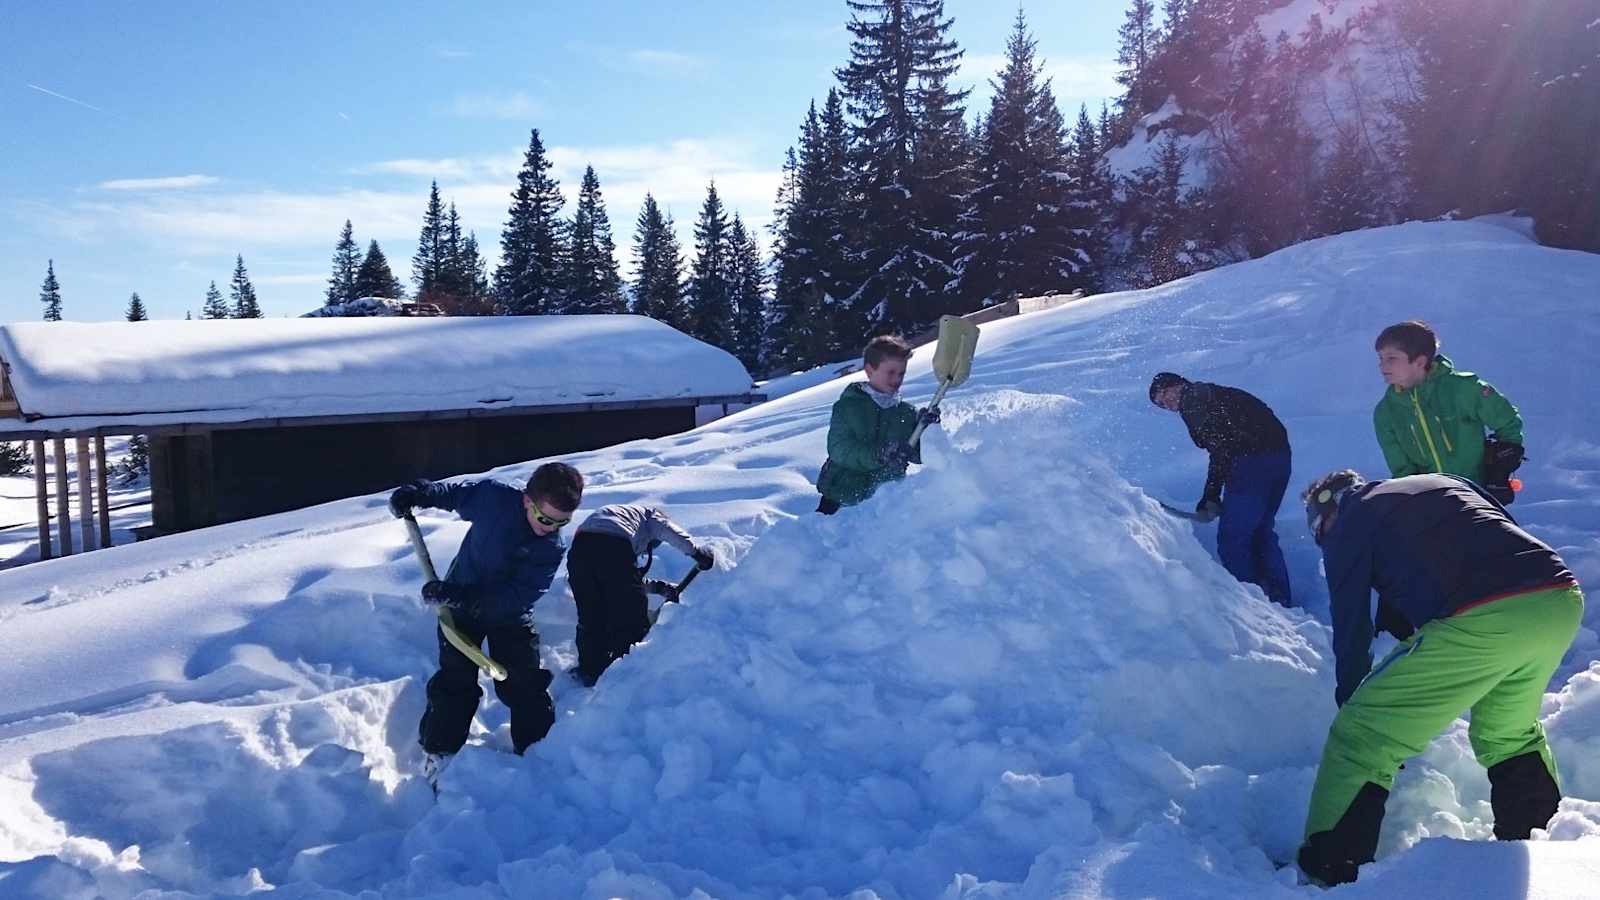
447,621
916,434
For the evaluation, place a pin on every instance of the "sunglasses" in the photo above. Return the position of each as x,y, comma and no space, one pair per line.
546,521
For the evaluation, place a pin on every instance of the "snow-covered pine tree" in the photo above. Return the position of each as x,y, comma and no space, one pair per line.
243,293
658,268
748,273
1022,233
50,294
215,307
710,277
528,280
901,57
374,277
593,284
346,260
136,311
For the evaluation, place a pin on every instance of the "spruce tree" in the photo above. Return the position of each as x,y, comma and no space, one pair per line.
243,293
136,311
528,280
50,294
137,461
710,277
428,263
658,268
1025,230
748,275
215,307
1136,44
455,281
593,285
1350,193
375,279
346,260
901,59
477,299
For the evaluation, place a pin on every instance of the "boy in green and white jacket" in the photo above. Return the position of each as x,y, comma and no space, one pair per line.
1433,416
869,434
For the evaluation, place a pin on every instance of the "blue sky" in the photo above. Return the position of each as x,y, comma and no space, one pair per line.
146,144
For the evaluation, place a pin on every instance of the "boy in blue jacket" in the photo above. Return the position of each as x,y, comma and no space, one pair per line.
506,561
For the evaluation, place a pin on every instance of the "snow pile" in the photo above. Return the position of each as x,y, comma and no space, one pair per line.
1008,676
917,689
239,369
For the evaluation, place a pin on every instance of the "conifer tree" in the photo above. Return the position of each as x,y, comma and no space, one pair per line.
593,285
428,263
901,58
1136,43
136,311
528,280
748,275
243,293
1349,194
346,260
454,277
215,307
710,277
1025,229
137,461
50,294
658,268
375,279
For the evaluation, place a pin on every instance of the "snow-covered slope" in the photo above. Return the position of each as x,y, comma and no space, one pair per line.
1008,676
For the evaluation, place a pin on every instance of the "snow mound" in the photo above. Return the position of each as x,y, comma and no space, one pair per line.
911,691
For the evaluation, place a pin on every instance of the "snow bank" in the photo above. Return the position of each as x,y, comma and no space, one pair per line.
234,370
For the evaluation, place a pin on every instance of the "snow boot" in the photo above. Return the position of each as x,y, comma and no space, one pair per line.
1523,794
1333,857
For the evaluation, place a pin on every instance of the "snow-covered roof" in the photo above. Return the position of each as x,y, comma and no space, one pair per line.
83,376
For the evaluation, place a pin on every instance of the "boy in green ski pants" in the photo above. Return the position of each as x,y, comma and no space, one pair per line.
870,432
1487,612
1433,416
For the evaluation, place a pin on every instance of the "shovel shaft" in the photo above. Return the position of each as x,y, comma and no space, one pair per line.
447,621
916,434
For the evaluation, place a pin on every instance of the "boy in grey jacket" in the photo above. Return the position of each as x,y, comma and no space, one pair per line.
608,581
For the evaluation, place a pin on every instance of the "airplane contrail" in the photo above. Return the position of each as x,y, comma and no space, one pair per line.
66,98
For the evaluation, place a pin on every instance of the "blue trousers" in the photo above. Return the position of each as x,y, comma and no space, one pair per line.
1246,541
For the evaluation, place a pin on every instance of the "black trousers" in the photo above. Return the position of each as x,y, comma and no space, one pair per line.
613,610
453,691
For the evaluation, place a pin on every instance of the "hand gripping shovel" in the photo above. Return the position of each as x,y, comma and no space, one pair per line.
952,360
675,594
447,622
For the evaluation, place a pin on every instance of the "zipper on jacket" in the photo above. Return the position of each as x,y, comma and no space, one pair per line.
1417,404
1445,434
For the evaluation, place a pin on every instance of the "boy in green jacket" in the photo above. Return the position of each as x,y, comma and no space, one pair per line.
868,437
1433,417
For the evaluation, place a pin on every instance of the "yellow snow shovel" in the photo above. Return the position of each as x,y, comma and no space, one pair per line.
952,360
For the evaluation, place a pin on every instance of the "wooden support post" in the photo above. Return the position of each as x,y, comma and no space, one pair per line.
85,494
41,491
63,500
101,490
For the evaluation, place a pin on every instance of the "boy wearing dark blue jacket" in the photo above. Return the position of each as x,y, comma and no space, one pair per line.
505,563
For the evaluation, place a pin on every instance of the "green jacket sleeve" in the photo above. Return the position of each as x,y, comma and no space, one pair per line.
849,444
1389,442
1496,412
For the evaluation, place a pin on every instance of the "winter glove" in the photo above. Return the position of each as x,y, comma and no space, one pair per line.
661,588
928,415
1207,509
704,558
896,455
441,593
406,497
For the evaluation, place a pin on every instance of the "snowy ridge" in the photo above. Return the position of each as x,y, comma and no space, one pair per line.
1008,676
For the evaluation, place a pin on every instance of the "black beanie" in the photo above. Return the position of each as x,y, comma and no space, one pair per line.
1164,380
